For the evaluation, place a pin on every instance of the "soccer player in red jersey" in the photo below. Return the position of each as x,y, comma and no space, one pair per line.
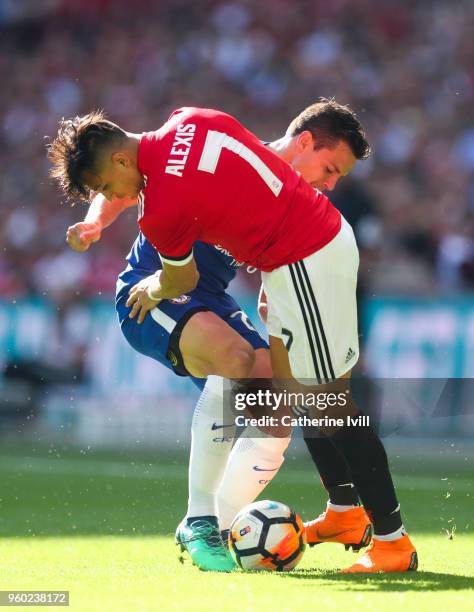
203,176
308,152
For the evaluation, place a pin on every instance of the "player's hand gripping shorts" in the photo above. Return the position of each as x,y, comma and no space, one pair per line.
312,308
159,335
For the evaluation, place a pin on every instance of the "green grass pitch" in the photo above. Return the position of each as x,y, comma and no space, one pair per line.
100,526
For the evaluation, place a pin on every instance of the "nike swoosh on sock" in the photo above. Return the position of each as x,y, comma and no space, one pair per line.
258,469
216,426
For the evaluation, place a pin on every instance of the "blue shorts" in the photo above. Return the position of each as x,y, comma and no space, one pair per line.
159,334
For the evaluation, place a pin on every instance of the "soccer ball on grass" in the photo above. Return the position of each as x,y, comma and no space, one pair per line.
267,535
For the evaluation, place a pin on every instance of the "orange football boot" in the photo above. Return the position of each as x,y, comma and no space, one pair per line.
351,528
393,556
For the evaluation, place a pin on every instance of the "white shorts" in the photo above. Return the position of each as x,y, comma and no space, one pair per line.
312,307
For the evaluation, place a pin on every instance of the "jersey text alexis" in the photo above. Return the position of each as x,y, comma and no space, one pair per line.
180,149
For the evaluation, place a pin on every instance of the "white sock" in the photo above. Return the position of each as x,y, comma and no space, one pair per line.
340,507
213,432
395,535
253,463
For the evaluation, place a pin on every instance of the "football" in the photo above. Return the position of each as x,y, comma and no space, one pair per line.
267,535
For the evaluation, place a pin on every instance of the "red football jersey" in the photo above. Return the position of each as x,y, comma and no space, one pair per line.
208,178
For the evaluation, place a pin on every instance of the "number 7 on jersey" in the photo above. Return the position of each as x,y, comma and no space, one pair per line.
216,141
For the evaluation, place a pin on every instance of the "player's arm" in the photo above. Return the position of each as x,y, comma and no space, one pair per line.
100,215
173,235
168,283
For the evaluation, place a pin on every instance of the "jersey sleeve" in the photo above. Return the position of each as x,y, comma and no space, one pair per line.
173,239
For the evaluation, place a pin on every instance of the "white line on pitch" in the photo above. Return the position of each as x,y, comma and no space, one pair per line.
122,469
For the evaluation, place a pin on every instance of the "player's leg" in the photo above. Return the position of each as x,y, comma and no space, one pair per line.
202,488
241,483
331,465
343,520
191,339
209,346
314,300
212,437
203,345
200,346
244,480
253,462
256,456
343,515
256,459
198,533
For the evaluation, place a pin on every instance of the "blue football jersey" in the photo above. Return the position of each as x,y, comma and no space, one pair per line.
216,266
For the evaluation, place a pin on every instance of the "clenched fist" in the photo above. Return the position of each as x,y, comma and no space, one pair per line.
81,235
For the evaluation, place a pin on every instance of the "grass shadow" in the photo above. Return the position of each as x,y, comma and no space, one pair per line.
403,581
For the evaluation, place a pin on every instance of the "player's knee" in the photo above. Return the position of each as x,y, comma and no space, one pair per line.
262,366
239,361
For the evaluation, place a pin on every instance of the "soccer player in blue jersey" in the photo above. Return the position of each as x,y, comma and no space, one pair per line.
206,333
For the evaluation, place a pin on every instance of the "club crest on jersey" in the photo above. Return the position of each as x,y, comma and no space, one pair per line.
180,150
182,299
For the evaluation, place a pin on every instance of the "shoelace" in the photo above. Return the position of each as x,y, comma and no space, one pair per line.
206,531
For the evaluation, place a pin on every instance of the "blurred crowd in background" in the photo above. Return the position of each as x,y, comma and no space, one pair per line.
406,68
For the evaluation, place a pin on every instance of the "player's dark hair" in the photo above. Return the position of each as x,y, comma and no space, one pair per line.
78,147
329,122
